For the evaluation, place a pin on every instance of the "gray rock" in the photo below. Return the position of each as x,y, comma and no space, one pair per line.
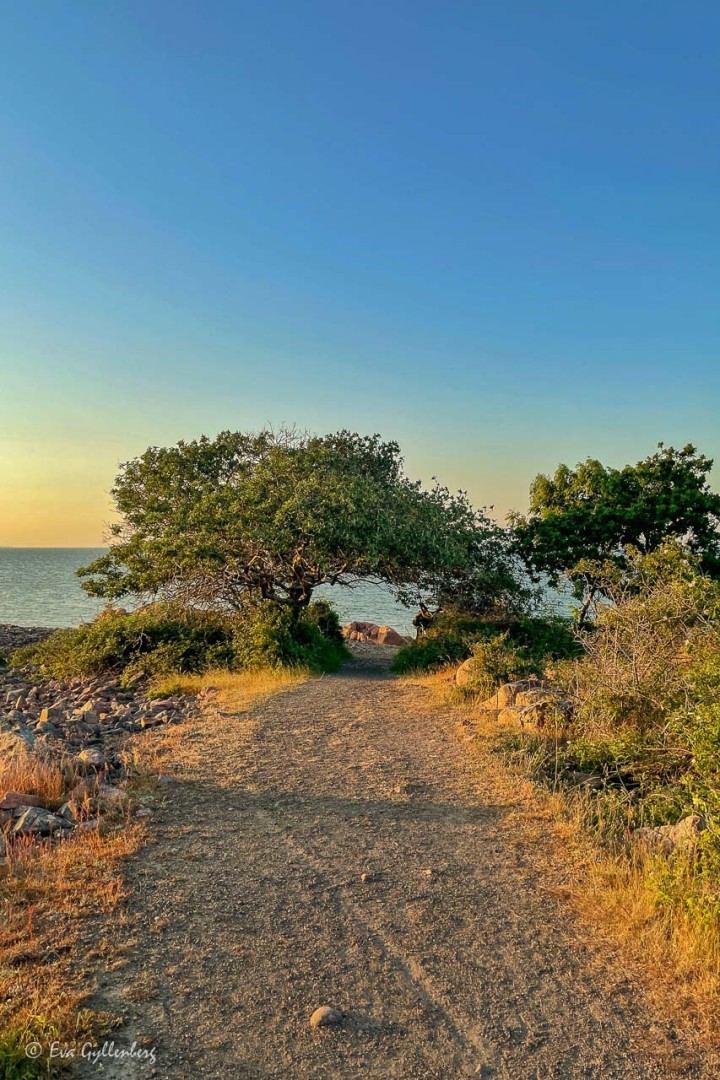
70,811
51,715
46,728
665,839
110,796
91,758
16,745
38,822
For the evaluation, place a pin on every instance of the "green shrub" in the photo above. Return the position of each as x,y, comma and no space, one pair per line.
498,661
155,640
162,638
451,639
429,653
278,634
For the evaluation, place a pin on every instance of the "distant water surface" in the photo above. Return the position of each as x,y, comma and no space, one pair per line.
38,587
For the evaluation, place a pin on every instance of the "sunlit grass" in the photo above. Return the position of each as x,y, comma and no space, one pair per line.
236,690
48,890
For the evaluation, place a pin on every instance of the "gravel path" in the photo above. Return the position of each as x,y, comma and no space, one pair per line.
335,846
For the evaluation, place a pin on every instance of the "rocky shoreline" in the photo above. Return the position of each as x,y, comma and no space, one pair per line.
14,637
81,723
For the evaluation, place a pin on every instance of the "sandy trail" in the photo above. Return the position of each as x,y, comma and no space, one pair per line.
451,958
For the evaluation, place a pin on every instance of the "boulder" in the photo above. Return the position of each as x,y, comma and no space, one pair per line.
665,839
15,745
91,758
38,822
46,728
506,696
468,672
372,634
70,811
387,636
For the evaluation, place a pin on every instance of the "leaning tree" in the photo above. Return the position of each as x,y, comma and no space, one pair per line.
273,515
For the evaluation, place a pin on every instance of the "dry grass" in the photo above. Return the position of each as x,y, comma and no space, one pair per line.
236,690
48,891
677,961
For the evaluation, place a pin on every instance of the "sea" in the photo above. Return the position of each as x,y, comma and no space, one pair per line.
39,587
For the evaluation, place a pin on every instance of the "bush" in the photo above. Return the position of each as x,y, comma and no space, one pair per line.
163,638
429,653
497,661
155,640
277,634
646,723
452,637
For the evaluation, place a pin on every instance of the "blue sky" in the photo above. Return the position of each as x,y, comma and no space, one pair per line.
489,230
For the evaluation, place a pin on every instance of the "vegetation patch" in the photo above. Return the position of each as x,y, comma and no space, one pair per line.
157,639
48,892
634,767
530,643
164,639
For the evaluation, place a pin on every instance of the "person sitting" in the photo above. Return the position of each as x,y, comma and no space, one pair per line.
423,620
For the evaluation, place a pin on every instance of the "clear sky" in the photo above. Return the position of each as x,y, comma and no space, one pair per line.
489,229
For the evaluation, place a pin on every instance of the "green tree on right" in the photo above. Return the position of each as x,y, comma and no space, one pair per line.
583,524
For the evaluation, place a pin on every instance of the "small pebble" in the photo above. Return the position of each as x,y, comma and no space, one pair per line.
326,1016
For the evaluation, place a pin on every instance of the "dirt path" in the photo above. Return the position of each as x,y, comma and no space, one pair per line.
450,958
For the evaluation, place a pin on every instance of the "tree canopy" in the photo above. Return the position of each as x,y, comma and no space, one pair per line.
273,515
583,522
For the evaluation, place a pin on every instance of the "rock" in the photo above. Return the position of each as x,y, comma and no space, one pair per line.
38,822
70,811
372,634
506,696
51,715
16,717
89,718
90,825
387,636
13,799
584,780
326,1016
534,696
91,758
92,705
108,795
46,728
664,839
14,745
152,721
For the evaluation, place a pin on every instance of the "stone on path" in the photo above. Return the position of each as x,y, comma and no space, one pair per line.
326,1016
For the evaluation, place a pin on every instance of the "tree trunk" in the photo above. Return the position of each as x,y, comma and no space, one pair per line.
586,605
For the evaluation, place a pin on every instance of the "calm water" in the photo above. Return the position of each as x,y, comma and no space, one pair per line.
38,587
